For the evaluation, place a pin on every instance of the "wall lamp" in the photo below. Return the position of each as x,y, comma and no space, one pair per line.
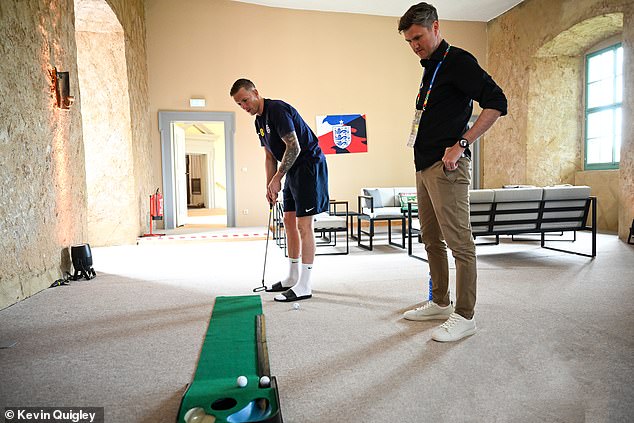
60,88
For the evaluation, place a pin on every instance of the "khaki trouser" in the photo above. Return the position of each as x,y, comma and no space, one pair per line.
443,210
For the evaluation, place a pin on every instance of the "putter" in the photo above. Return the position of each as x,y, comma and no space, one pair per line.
266,250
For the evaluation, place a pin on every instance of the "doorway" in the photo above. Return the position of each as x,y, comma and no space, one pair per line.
205,170
197,162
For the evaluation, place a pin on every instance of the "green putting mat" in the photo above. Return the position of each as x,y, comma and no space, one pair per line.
230,349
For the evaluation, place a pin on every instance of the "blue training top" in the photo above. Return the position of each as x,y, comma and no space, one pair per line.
279,119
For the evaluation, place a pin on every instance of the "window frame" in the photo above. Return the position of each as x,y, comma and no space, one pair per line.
613,106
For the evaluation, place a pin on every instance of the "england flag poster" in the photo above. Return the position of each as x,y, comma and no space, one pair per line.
342,134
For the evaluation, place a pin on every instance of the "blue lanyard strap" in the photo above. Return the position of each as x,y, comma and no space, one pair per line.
431,83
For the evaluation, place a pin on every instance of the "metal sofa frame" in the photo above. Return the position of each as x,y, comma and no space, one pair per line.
495,219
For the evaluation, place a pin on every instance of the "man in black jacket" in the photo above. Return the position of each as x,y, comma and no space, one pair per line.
441,137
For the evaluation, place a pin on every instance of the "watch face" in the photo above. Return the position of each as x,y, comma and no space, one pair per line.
463,143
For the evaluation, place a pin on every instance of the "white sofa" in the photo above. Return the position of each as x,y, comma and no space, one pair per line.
529,210
381,204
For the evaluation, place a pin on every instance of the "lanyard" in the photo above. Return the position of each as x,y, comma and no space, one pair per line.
431,84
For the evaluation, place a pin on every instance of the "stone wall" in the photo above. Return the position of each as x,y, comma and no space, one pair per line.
42,166
536,53
42,188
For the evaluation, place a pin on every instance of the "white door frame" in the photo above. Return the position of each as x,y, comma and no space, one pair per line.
179,178
165,120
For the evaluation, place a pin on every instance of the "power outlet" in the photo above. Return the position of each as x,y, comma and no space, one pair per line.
245,211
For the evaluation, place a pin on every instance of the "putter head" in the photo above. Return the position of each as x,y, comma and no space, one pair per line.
260,288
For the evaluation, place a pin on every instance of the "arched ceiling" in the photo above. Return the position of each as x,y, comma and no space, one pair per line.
95,16
577,39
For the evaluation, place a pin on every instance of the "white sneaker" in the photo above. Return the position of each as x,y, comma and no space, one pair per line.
455,328
429,311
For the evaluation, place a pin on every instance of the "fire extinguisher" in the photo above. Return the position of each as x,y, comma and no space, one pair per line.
156,210
157,205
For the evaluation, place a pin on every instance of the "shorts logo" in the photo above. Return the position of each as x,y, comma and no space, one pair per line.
261,132
308,210
268,130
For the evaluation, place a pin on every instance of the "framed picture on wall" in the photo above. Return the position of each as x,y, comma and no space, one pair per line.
196,188
342,134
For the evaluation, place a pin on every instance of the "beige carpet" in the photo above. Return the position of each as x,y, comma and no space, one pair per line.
555,339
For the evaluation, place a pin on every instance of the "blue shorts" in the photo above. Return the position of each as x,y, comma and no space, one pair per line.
306,189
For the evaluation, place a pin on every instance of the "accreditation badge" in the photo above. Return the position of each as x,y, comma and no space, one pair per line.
414,131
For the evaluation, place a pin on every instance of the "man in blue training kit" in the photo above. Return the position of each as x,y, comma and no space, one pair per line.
287,139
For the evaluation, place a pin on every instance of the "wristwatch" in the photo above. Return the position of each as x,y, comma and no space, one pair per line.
464,143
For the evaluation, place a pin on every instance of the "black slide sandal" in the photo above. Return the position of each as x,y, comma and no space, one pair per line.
291,296
277,287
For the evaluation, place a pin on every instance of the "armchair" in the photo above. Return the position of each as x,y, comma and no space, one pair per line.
380,204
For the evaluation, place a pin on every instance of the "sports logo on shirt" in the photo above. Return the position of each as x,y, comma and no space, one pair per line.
268,130
261,132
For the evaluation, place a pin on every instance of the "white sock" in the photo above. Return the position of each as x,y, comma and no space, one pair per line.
293,272
303,286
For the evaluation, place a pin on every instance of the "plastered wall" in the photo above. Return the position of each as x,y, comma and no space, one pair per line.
626,177
131,15
42,166
112,213
321,63
536,51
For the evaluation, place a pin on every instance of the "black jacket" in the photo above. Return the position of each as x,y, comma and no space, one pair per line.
459,81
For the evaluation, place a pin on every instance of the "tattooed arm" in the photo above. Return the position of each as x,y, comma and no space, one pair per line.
290,155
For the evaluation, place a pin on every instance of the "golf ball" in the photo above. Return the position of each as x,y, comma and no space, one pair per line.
242,381
265,382
296,306
198,415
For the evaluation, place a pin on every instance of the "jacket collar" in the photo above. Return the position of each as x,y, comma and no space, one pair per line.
436,56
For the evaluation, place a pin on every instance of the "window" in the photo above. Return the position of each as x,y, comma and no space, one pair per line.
604,98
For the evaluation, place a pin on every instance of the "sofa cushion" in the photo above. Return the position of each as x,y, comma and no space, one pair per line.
565,196
384,212
376,197
566,192
324,221
404,198
518,194
517,199
400,191
388,198
480,200
481,196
